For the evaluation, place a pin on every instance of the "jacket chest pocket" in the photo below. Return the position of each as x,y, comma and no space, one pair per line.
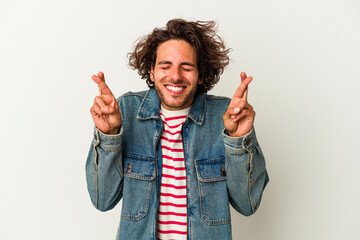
214,200
139,175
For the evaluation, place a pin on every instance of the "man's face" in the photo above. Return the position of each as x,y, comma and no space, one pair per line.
175,74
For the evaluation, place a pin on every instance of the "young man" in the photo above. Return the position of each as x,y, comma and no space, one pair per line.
176,156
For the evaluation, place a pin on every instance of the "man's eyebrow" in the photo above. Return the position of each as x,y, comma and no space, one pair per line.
188,64
164,62
183,63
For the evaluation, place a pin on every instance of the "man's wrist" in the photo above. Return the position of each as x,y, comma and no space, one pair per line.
114,131
237,135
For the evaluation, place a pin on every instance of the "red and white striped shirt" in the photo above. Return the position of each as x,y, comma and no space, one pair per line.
172,215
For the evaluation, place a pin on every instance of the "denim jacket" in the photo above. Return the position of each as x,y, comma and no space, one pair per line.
219,169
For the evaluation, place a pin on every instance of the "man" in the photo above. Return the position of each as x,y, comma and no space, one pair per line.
176,156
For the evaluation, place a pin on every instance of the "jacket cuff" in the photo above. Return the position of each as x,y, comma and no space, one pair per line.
107,140
246,142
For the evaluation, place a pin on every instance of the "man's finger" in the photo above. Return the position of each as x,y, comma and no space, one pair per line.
108,99
242,88
103,88
243,113
236,109
100,102
105,108
245,94
101,76
95,110
243,105
243,76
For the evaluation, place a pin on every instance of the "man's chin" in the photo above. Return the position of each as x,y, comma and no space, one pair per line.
174,102
174,105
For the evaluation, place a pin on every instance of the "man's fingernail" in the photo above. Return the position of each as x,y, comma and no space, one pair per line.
236,110
105,109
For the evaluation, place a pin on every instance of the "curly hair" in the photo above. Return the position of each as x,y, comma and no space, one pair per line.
211,54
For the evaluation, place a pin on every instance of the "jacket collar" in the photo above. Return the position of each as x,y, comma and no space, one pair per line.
150,107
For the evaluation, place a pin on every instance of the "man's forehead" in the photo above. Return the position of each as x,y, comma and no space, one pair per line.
172,51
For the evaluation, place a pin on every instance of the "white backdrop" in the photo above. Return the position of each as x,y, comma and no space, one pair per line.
304,56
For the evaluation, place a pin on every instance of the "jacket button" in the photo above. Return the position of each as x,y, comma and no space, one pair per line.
223,171
128,170
248,142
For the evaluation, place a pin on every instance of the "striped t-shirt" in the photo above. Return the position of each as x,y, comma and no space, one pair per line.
172,215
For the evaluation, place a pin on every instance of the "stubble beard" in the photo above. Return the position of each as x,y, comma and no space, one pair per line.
180,105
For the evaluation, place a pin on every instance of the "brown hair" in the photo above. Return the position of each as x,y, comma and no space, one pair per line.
211,55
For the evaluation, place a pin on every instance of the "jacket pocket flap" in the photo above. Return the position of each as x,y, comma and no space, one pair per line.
211,170
139,168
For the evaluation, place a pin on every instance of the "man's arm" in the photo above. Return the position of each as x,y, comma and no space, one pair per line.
245,164
104,172
245,172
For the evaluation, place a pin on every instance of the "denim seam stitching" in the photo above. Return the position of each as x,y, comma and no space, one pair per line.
96,178
138,176
110,148
209,161
141,214
127,155
202,207
209,179
252,200
119,166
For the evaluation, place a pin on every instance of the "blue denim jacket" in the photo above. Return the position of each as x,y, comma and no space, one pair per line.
220,169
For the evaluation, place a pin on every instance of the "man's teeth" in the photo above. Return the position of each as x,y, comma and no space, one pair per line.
174,88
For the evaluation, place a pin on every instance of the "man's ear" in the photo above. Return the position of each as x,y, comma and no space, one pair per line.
200,81
152,74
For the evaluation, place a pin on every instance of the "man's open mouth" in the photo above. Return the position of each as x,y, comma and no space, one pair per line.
175,89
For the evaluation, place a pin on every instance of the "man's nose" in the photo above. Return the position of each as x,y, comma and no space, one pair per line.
175,74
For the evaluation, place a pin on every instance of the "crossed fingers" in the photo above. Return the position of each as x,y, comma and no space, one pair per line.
105,102
239,106
104,90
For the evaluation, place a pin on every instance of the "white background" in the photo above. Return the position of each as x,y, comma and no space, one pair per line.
304,56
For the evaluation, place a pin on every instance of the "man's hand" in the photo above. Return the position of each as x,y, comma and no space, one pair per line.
105,111
239,116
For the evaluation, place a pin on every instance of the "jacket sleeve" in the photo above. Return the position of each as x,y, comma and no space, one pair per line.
245,172
104,172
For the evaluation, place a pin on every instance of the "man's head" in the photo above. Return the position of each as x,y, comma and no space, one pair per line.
211,54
